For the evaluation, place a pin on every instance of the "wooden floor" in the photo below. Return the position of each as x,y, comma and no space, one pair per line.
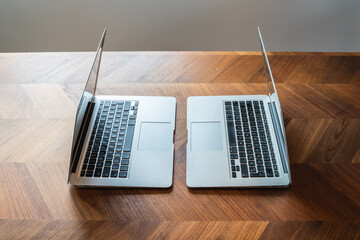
320,97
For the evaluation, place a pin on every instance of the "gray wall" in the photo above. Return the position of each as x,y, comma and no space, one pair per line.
76,25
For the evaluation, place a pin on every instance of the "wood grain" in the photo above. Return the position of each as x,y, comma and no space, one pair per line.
319,94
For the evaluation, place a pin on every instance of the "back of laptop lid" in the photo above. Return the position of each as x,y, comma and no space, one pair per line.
84,109
275,109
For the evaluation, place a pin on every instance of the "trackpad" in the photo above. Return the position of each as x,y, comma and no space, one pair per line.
206,136
155,136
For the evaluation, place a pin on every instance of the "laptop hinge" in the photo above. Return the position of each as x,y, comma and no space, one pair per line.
279,137
81,137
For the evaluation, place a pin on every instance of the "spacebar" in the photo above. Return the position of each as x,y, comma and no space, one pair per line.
231,133
129,138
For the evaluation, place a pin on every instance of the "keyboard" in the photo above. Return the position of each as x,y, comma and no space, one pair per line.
109,149
251,151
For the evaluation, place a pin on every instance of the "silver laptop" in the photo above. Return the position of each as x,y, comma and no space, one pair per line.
237,141
122,141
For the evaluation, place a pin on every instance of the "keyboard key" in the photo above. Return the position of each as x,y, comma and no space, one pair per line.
234,156
91,167
259,174
127,106
233,150
129,138
231,133
125,162
122,174
244,170
89,173
126,155
252,169
269,172
114,173
243,160
241,149
97,172
106,172
234,174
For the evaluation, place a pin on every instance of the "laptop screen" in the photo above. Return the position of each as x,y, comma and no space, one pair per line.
275,103
84,106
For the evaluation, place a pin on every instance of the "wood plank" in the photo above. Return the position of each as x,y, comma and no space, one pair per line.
328,195
36,140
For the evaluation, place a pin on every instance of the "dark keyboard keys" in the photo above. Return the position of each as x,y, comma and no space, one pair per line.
126,155
91,167
127,106
244,170
249,140
231,133
259,174
233,150
112,134
129,138
114,173
269,172
125,162
124,168
98,172
106,172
